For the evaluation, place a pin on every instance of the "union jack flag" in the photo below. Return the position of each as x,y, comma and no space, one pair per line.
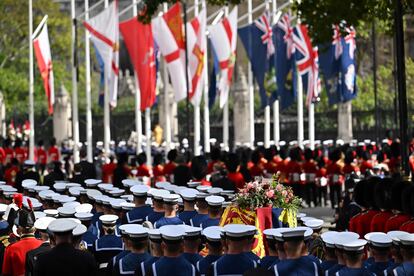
307,62
263,24
284,24
337,42
350,39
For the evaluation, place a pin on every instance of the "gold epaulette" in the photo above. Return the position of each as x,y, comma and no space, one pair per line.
5,241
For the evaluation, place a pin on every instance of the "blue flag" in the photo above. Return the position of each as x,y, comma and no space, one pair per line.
101,65
330,69
285,62
212,89
255,38
348,67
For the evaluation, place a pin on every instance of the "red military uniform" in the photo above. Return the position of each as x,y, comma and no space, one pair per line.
365,165
20,154
53,154
362,224
408,226
395,222
379,220
237,178
158,171
41,156
9,155
15,255
349,168
293,171
354,223
256,170
2,155
309,168
108,172
143,171
335,174
169,168
10,175
270,167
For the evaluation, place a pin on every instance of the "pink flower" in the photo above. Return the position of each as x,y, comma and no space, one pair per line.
286,200
284,193
249,186
270,194
279,187
290,195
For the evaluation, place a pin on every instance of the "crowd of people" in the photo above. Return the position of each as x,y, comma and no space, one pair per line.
124,217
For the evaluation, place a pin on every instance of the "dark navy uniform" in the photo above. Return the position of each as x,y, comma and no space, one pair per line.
154,216
325,265
138,214
129,263
167,221
89,238
210,222
334,269
203,265
232,264
268,261
198,219
170,266
115,261
107,247
253,256
405,269
186,216
346,271
145,266
192,258
378,268
301,266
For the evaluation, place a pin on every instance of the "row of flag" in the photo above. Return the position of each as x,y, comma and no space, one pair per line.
280,51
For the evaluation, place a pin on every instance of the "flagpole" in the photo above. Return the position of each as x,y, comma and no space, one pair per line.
107,122
206,111
31,85
276,121
88,88
138,116
196,106
311,122
300,110
167,111
250,83
267,113
226,109
148,135
75,116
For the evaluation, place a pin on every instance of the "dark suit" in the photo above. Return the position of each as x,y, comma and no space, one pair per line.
31,257
88,170
65,260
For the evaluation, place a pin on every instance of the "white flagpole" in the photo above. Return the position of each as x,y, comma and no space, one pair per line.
107,122
267,114
167,111
31,85
226,109
75,116
276,121
148,135
88,88
300,110
311,125
250,83
138,118
206,108
196,108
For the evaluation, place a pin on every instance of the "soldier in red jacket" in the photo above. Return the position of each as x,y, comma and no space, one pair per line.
399,218
407,206
335,177
384,203
310,170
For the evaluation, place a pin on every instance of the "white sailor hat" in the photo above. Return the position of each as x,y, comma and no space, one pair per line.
300,215
154,234
38,189
84,216
238,230
129,198
75,191
125,226
380,240
29,163
395,236
139,190
59,187
305,219
116,203
214,191
41,224
193,184
171,198
92,182
162,184
84,208
344,238
73,204
188,194
105,186
79,230
203,188
329,241
62,225
270,233
127,205
212,233
329,234
201,195
39,214
355,245
159,194
136,231
369,235
108,219
36,205
66,211
407,240
131,182
65,199
172,232
27,183
51,212
314,224
215,200
91,193
171,187
73,185
293,233
8,188
106,200
349,235
116,192
3,208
